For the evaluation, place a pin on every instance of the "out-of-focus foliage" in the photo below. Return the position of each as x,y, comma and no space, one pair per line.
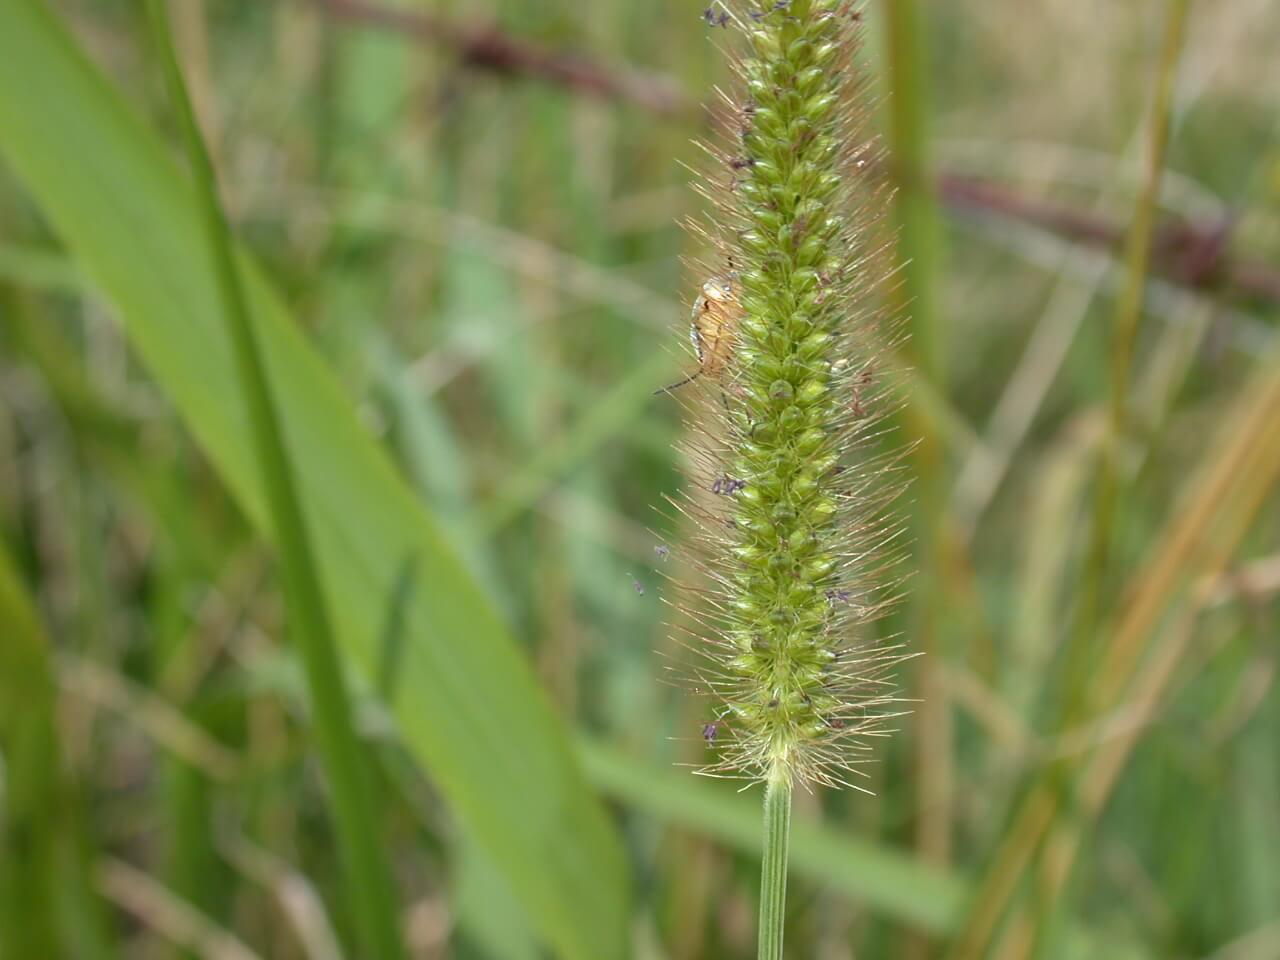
486,265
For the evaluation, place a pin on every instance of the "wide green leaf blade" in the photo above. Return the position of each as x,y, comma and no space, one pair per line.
466,703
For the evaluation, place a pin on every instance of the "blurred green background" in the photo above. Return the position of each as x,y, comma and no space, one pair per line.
464,218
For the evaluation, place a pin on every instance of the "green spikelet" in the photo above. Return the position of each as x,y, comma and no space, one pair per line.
789,496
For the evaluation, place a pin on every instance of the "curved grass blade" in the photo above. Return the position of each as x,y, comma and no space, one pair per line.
467,706
369,888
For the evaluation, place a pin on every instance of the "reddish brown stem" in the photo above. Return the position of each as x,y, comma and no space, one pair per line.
486,47
1192,255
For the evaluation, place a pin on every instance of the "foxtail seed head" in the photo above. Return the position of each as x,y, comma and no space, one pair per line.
789,495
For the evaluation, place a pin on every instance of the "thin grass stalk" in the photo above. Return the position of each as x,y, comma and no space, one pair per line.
918,230
911,171
773,872
1081,697
1124,333
1250,466
1041,803
368,883
1082,655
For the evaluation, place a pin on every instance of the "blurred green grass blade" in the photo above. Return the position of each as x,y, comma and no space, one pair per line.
615,409
915,215
39,269
369,890
488,915
1108,488
28,747
1255,828
892,883
47,908
911,171
921,896
467,705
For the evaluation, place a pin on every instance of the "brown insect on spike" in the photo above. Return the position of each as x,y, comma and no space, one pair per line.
713,330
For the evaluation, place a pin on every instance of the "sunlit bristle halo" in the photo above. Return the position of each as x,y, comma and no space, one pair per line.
789,486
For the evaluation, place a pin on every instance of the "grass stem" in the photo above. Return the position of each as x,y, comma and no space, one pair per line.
1124,331
1035,816
918,231
773,875
368,877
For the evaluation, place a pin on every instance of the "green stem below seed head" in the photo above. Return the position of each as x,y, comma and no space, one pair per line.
773,871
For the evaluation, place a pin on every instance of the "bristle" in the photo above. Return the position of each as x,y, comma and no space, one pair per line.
789,496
